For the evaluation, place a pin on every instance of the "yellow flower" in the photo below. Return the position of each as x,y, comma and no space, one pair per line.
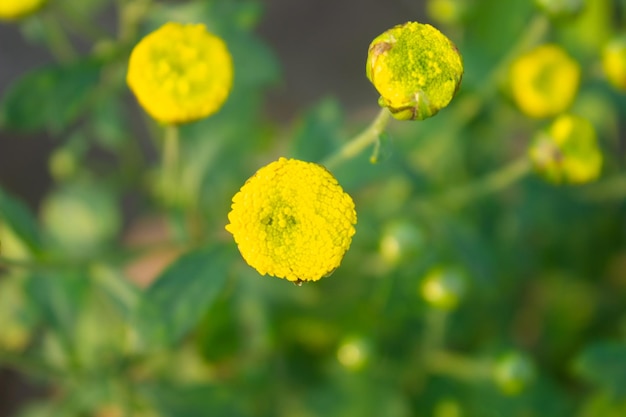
16,9
415,68
180,73
292,220
567,152
544,81
614,62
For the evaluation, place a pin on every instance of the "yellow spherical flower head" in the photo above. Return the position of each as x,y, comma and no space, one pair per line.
614,62
567,152
292,220
415,69
16,9
180,73
544,81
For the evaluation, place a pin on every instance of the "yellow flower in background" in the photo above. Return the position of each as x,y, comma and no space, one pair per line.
614,62
567,152
16,9
544,81
415,69
292,220
180,73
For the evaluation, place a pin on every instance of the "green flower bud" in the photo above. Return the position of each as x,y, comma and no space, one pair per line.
567,152
561,8
513,372
354,353
401,239
447,11
544,81
79,219
416,69
614,62
443,287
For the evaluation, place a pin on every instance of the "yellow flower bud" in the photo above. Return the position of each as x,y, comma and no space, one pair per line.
416,69
16,9
292,220
544,81
180,73
443,287
567,152
614,62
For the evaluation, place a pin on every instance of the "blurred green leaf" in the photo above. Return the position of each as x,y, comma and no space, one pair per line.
318,132
178,299
49,98
604,364
192,401
19,217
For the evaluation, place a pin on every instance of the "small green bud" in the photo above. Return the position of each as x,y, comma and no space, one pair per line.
447,11
567,152
614,62
401,239
443,287
561,8
354,353
62,164
513,372
79,219
416,69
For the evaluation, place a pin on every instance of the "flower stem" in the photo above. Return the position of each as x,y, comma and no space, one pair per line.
356,145
170,162
57,40
448,363
491,183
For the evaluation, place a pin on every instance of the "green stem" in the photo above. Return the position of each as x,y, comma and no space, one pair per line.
356,145
171,174
490,184
610,189
57,40
452,364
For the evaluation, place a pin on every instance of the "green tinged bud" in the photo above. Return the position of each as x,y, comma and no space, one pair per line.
513,372
416,69
443,287
567,152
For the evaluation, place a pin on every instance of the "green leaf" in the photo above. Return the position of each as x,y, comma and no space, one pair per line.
192,401
319,132
49,98
604,364
174,304
21,220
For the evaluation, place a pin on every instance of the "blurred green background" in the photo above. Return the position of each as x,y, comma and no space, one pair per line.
472,288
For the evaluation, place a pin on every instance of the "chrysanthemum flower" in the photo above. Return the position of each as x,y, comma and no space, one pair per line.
544,81
567,152
292,220
180,73
16,9
415,68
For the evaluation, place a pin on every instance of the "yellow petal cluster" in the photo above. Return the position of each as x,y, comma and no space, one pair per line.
415,69
614,62
544,81
16,9
180,73
292,220
567,152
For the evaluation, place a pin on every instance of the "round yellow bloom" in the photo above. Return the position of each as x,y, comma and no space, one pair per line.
16,9
567,152
415,68
292,220
544,81
180,73
614,62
